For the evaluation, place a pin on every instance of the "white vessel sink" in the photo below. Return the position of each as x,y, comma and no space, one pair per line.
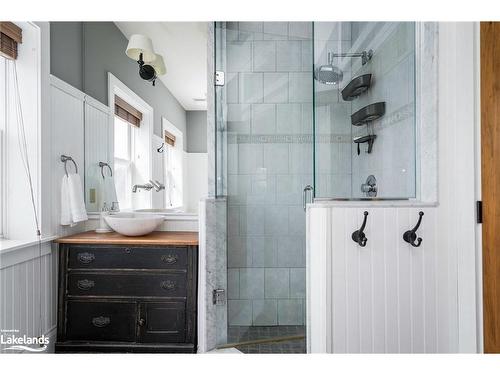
134,223
160,210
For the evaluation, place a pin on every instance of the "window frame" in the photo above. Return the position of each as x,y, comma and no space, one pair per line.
3,154
127,163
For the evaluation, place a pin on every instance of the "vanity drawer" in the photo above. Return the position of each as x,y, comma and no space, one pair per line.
167,284
127,257
101,321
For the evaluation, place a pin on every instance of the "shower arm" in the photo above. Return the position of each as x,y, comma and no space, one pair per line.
365,56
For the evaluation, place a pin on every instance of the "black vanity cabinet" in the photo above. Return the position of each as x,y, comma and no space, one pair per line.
127,298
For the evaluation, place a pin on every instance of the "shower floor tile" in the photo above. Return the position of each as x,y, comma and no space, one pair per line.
242,334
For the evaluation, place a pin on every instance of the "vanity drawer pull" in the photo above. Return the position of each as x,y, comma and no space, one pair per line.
168,285
85,284
85,258
170,258
101,321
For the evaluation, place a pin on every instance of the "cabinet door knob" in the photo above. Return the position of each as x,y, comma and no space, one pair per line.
142,322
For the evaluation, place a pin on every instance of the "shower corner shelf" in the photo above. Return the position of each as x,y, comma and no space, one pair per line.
370,139
356,87
369,113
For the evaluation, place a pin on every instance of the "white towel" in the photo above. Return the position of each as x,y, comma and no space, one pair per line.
65,208
72,203
109,190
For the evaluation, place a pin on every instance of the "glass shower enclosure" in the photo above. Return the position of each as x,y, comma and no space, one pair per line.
304,110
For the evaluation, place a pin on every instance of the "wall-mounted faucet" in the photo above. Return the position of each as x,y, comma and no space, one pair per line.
157,185
146,187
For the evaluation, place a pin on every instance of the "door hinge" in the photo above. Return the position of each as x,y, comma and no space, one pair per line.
479,212
219,297
219,78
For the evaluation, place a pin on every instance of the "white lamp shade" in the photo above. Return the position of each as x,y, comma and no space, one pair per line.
138,44
159,65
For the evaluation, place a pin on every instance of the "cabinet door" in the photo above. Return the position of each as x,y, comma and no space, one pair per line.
162,322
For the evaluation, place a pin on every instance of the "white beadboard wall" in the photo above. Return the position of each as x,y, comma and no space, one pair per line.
388,296
20,295
67,118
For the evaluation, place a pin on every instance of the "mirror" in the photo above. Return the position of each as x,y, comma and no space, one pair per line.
145,139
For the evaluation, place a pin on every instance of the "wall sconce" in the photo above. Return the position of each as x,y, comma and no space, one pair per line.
151,65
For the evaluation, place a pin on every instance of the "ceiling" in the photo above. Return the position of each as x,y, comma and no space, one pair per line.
183,46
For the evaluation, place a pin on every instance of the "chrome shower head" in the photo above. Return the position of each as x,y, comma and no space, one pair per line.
329,74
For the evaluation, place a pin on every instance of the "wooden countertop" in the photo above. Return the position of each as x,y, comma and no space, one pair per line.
113,238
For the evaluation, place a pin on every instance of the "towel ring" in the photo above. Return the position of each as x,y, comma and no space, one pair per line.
102,165
65,159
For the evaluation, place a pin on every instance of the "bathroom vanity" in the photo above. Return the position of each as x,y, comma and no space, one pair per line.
127,294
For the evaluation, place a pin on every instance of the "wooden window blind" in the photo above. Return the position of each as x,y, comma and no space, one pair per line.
126,112
10,36
169,138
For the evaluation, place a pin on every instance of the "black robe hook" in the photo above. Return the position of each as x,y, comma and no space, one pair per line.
359,236
410,236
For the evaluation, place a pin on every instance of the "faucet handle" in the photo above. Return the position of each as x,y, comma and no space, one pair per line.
157,185
115,207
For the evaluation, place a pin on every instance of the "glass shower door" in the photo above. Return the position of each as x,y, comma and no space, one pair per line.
264,143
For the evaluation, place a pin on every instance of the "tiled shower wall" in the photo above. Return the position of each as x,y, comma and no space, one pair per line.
269,161
340,171
392,160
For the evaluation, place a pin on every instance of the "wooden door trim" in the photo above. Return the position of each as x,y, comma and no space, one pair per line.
490,181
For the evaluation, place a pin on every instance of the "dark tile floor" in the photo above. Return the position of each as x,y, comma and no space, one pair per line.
238,334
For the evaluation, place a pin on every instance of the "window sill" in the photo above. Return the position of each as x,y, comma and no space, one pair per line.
7,246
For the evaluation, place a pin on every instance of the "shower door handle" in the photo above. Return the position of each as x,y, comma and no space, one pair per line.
304,195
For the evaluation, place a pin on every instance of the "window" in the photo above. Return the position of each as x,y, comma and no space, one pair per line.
133,124
22,60
3,120
123,160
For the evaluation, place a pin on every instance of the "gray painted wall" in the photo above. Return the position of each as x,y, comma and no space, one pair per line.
100,48
196,130
66,52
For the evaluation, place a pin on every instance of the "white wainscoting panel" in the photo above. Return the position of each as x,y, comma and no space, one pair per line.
387,297
67,116
20,290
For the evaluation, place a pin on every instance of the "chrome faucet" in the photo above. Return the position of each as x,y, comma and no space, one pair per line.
157,185
146,187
